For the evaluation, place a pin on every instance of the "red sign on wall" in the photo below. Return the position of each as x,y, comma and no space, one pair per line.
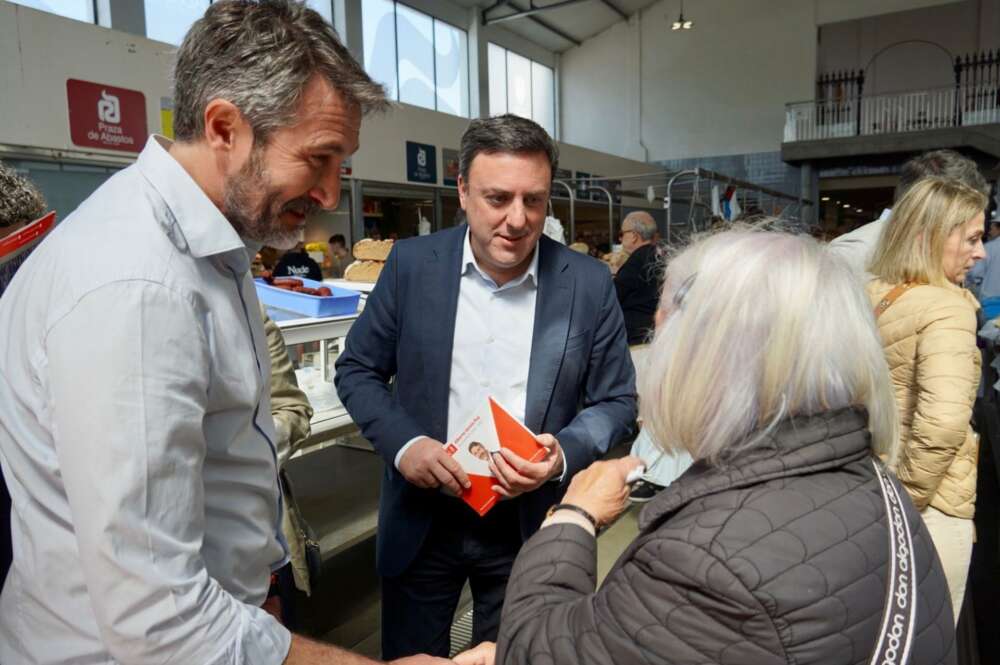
106,117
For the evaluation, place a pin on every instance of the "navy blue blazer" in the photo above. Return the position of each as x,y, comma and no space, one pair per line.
394,373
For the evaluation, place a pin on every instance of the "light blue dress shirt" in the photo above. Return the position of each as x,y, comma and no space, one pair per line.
136,436
984,277
491,355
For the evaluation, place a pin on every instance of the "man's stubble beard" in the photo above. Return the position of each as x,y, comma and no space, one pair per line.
258,223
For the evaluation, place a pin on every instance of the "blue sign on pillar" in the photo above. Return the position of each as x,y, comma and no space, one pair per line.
421,162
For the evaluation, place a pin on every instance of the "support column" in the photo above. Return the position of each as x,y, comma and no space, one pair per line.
809,190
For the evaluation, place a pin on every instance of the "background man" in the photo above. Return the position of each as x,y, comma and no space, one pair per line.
858,246
485,308
339,256
135,426
297,263
637,282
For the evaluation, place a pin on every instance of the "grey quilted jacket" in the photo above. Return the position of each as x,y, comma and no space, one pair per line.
780,556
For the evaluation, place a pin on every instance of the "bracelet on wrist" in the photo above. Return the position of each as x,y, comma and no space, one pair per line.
573,508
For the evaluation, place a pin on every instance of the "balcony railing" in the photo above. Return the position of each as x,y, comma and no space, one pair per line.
891,113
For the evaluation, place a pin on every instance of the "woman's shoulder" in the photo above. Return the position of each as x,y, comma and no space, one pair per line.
929,299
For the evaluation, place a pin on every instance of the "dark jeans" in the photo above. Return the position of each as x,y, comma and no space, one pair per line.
419,605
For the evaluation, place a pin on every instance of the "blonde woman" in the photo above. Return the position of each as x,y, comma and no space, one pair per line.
774,547
928,326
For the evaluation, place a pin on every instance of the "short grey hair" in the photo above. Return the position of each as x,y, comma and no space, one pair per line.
946,164
20,200
642,223
760,326
259,55
505,134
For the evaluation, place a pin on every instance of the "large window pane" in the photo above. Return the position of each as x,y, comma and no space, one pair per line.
543,109
324,7
378,20
518,85
81,10
451,65
496,65
168,20
415,44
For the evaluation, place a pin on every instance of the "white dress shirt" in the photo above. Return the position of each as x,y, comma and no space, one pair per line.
136,436
494,327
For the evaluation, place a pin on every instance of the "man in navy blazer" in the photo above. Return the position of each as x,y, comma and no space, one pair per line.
490,307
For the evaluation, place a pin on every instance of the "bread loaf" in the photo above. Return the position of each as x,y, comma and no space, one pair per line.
372,250
363,271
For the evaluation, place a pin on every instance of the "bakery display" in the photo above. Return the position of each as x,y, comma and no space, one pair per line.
372,250
370,256
364,271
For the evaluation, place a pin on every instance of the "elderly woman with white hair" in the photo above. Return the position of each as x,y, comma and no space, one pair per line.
786,541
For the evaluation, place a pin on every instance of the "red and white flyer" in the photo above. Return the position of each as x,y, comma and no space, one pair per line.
487,430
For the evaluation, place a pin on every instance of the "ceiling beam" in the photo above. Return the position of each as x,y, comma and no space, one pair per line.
613,7
530,15
524,13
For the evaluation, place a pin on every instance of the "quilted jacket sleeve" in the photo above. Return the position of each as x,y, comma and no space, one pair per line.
290,407
654,607
947,373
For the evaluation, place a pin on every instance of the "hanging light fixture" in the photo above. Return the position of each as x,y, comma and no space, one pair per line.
680,23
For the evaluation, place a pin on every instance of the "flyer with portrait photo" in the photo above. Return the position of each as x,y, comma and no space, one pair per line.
486,431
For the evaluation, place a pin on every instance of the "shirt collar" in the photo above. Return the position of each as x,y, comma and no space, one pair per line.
190,212
469,260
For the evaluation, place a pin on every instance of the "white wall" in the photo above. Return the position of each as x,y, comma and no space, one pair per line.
831,11
910,50
717,89
595,92
39,51
382,155
721,88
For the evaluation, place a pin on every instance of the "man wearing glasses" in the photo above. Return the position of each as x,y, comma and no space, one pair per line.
638,280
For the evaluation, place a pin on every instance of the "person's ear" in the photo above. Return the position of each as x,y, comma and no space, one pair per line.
463,191
227,131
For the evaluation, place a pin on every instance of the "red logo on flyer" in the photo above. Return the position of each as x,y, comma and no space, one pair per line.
106,117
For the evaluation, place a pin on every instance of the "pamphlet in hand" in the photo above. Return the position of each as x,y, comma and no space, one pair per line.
486,431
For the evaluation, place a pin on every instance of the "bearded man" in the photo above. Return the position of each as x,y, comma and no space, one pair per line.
135,427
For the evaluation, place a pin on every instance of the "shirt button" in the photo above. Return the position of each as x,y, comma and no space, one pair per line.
490,339
484,383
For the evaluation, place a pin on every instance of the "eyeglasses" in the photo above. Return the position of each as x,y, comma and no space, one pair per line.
621,234
682,292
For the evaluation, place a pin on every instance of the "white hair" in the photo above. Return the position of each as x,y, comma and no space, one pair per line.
758,326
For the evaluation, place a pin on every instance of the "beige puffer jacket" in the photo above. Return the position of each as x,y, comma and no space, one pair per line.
929,337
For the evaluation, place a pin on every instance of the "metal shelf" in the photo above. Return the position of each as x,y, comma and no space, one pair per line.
299,331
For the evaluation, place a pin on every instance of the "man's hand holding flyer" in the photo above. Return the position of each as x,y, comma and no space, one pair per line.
488,430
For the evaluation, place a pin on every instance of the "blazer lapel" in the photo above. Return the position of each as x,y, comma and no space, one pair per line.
439,302
553,311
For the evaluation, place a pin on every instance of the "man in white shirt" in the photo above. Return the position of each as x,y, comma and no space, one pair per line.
487,308
135,426
858,246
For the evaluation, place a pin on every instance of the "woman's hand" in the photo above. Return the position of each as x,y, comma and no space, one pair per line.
480,655
600,489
